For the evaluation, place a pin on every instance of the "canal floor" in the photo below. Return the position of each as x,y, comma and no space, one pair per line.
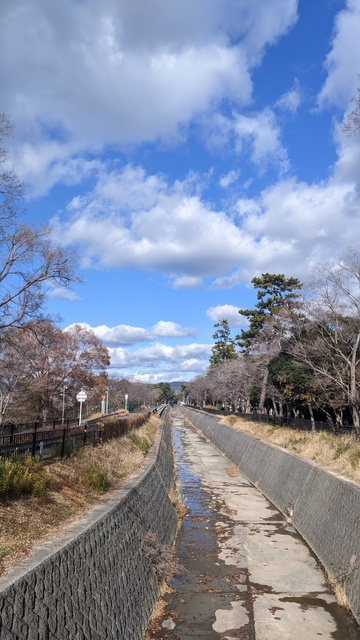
247,573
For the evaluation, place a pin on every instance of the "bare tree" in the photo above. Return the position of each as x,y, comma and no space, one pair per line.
29,261
45,359
328,342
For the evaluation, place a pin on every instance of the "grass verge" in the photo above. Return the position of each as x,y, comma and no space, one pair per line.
339,454
65,490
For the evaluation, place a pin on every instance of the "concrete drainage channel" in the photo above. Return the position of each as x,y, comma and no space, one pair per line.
248,574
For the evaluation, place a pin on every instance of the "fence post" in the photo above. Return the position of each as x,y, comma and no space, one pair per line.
33,450
63,442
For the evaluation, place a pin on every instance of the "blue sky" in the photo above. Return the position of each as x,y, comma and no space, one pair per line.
183,147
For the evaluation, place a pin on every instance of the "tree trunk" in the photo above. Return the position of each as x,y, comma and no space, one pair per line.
274,406
263,390
354,404
356,419
311,413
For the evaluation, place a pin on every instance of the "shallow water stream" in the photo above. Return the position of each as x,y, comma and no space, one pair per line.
248,574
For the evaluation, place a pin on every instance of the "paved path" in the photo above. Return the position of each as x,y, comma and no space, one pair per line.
248,573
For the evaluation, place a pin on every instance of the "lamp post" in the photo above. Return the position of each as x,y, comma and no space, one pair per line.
63,405
126,399
107,402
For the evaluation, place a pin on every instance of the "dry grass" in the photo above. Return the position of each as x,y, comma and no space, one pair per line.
76,484
339,454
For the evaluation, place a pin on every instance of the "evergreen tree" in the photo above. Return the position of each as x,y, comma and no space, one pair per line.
165,392
224,348
275,292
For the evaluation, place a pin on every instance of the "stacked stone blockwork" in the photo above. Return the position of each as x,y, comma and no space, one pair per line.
97,582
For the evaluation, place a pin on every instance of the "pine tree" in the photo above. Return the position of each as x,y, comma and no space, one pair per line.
275,292
224,348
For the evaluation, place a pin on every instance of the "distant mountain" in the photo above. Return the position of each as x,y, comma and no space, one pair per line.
175,386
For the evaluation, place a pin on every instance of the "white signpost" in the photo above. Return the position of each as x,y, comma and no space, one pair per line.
81,397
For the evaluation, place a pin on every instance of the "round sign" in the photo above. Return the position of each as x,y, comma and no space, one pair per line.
81,396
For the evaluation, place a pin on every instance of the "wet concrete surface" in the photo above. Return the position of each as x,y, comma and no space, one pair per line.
247,573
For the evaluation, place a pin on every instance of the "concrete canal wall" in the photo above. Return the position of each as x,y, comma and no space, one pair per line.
98,582
324,508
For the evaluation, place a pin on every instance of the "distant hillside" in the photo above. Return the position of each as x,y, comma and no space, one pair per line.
175,386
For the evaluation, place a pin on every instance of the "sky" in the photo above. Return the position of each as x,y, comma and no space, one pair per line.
183,148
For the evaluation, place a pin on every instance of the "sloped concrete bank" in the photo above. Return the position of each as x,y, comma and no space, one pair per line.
97,582
324,508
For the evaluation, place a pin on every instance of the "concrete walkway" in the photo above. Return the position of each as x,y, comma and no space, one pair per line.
248,575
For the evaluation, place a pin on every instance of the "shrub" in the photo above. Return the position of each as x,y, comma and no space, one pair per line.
140,442
163,561
354,457
21,476
342,447
98,479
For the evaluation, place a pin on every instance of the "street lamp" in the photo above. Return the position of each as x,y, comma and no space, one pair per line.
107,402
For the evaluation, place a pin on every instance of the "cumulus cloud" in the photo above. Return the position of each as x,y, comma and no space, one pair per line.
61,292
226,312
263,135
157,361
291,100
177,234
171,230
76,76
343,60
228,179
158,353
126,335
167,329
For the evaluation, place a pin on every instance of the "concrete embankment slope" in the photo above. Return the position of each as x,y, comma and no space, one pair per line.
98,582
324,508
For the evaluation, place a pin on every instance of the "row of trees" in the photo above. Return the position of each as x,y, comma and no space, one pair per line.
300,353
42,368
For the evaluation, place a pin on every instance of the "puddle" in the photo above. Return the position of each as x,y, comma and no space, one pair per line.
219,595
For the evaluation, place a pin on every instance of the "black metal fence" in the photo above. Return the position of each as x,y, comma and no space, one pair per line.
299,424
61,440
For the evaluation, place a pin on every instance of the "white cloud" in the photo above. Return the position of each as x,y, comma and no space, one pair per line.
254,136
343,60
177,234
172,231
291,100
168,329
61,292
262,133
76,76
227,312
187,282
228,179
157,353
126,335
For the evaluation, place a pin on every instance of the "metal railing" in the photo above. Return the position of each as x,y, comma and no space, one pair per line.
299,424
59,441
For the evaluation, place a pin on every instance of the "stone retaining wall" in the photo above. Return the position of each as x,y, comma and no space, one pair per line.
324,508
97,583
